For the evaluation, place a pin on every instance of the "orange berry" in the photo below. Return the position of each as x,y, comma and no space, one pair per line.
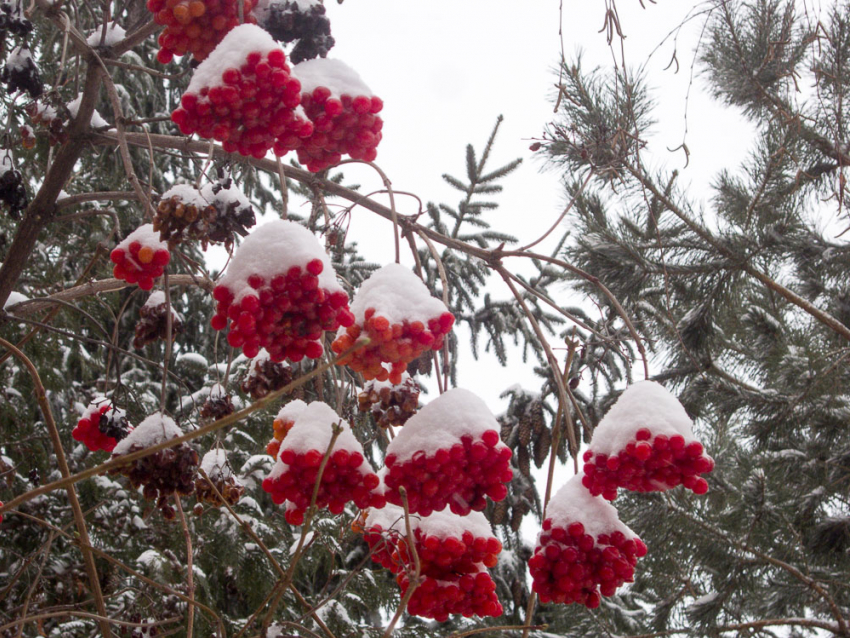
145,254
181,13
197,8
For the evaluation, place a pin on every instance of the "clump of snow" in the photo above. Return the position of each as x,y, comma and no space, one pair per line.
442,423
232,51
397,294
645,404
14,297
187,194
291,411
217,391
19,59
97,120
192,358
114,35
440,524
215,465
335,75
97,403
153,430
157,298
225,197
573,503
272,249
47,112
146,236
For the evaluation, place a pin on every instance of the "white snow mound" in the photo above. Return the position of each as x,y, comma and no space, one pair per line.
215,464
292,410
335,75
153,430
396,293
574,504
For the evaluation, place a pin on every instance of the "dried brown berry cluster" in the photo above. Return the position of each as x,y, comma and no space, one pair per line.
217,405
212,214
390,404
48,118
288,21
217,469
153,321
12,192
21,74
266,376
12,19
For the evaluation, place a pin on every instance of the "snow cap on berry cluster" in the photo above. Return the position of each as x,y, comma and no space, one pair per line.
225,196
146,236
313,430
440,524
291,411
187,194
335,75
157,298
261,10
153,430
574,504
645,404
442,423
215,465
273,249
95,406
396,293
231,52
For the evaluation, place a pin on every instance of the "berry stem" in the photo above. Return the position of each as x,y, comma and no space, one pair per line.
190,572
168,344
414,580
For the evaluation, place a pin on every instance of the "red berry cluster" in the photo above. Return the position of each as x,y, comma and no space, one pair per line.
285,315
343,480
397,344
101,427
251,106
570,566
343,125
648,464
460,477
196,26
468,595
140,258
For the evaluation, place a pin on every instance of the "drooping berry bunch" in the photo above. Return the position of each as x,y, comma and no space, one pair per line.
196,26
283,423
390,405
468,595
217,405
153,321
46,116
645,443
265,375
13,194
102,426
20,72
219,472
12,19
244,96
402,320
344,113
347,475
163,473
303,21
140,258
280,293
449,453
584,551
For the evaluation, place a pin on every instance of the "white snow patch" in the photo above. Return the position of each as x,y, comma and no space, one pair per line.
97,120
187,194
397,294
215,464
574,504
335,75
114,34
154,429
14,297
291,411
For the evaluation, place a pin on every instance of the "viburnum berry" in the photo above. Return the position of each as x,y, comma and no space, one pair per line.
283,423
196,26
140,258
219,472
304,23
169,471
584,551
101,426
347,475
449,453
244,96
402,320
344,113
645,443
390,405
280,293
265,375
468,595
13,194
153,321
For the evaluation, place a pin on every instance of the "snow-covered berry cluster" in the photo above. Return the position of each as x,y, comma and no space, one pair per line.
218,404
13,194
140,258
163,473
153,321
265,375
196,26
449,453
402,320
244,96
390,405
46,116
347,475
282,424
344,113
219,472
584,551
102,426
301,21
12,19
645,443
20,72
280,293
